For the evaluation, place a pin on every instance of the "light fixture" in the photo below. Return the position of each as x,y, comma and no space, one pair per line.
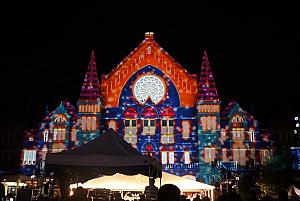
296,118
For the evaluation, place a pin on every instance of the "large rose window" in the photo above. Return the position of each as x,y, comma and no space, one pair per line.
149,86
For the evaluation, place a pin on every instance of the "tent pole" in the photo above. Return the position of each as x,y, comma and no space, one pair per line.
159,182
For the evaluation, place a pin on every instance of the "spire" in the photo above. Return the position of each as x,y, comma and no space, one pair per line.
90,90
207,86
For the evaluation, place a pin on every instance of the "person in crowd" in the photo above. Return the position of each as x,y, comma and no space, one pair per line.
2,191
118,197
151,190
79,195
197,198
168,192
282,195
142,197
205,198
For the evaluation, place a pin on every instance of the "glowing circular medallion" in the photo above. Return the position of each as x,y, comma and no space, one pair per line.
149,86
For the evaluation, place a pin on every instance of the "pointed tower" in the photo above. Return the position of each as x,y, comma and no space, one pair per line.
89,105
208,117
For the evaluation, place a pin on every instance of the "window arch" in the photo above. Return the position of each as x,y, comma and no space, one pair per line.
83,123
167,125
94,123
88,123
167,156
186,155
45,135
252,135
237,119
130,125
149,114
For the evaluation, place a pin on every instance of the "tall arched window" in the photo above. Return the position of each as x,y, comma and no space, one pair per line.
209,154
214,123
164,156
204,123
94,123
187,159
83,123
45,135
149,114
252,135
130,124
167,156
167,125
88,123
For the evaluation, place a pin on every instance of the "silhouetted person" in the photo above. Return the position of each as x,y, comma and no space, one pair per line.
79,195
267,198
233,196
183,198
2,191
282,195
142,197
151,190
197,198
118,197
168,192
206,198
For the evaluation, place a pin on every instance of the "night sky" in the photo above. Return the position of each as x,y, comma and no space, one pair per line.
45,50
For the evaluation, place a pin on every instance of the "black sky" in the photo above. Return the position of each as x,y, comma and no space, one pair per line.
253,51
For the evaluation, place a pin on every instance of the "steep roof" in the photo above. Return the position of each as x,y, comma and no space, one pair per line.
232,108
65,107
207,86
90,90
149,52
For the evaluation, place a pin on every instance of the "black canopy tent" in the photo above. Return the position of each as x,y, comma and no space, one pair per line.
105,155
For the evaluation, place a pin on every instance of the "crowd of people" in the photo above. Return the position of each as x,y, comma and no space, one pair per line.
170,192
167,192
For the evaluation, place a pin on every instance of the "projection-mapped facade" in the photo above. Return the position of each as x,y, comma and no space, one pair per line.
162,110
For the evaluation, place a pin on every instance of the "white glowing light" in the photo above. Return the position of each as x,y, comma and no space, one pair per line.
149,86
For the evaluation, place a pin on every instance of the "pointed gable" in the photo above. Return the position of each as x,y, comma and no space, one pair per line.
90,90
207,87
232,108
148,52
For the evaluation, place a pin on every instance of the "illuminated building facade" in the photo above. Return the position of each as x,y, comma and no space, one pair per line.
162,110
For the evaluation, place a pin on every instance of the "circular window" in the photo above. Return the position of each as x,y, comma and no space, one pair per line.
149,86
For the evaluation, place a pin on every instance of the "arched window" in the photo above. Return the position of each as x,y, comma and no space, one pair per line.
164,156
186,129
88,123
171,156
83,123
45,135
237,119
252,135
214,123
55,134
167,125
224,155
187,159
167,156
130,124
149,115
208,154
209,123
94,123
203,123
74,135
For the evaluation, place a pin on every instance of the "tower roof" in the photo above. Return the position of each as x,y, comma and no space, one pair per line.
207,86
90,90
